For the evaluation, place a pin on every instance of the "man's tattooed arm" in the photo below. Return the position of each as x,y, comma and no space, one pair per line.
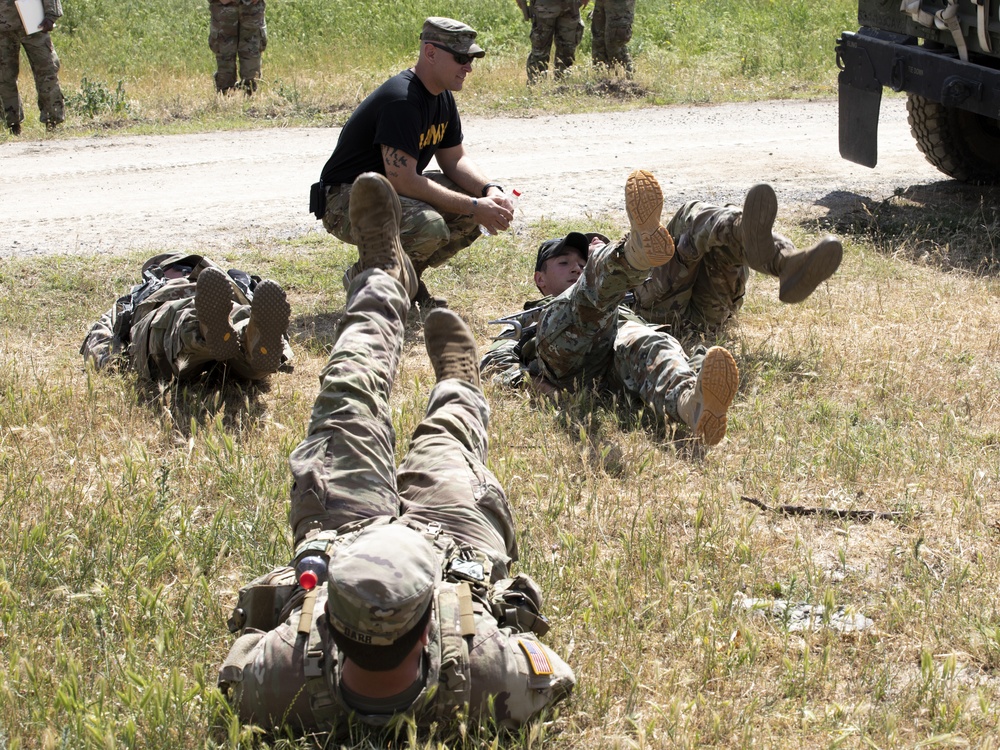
395,161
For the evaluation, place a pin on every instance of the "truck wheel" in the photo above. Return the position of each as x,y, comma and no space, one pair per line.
962,144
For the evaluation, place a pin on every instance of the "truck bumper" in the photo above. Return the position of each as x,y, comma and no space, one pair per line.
869,60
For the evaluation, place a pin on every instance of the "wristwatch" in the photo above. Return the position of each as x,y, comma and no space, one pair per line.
488,185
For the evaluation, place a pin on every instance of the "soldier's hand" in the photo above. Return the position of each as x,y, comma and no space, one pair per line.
492,214
47,25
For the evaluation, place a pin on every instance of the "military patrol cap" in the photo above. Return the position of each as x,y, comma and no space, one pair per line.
455,35
556,248
381,584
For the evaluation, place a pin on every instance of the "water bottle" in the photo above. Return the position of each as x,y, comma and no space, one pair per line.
310,571
514,195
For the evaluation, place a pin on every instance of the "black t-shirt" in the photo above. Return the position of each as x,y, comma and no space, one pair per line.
401,113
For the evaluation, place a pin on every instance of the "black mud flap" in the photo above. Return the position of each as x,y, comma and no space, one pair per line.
860,94
859,110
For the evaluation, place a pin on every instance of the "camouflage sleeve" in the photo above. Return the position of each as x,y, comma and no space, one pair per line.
52,9
99,345
501,363
267,684
521,675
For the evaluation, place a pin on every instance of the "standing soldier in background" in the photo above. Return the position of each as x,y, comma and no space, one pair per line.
238,28
553,19
42,58
611,27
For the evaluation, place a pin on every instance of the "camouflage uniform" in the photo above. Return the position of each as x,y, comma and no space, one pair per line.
584,336
429,237
345,477
159,335
42,58
559,20
237,29
611,27
703,285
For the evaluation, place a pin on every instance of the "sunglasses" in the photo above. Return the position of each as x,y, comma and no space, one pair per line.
459,57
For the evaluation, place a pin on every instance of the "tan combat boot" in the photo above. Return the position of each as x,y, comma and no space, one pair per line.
801,272
262,337
703,408
213,303
375,214
451,347
760,208
649,244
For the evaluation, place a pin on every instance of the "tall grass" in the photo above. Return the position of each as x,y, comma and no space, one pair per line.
323,56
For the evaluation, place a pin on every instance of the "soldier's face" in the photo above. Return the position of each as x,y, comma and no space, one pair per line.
451,67
559,274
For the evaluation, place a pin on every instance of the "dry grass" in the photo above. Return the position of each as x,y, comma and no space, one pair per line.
130,515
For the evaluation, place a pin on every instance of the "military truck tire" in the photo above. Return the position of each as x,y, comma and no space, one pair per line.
962,144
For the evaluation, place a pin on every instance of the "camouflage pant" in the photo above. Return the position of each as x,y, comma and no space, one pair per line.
166,343
611,27
44,67
703,285
584,336
237,29
558,20
344,469
429,237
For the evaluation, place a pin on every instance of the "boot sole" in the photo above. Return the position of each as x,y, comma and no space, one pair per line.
269,314
719,379
824,260
644,206
213,303
760,209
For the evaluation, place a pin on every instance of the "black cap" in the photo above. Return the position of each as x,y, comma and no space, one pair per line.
555,248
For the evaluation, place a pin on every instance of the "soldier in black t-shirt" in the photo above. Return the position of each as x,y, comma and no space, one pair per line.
395,131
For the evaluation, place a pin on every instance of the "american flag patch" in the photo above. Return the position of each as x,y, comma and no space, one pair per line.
537,657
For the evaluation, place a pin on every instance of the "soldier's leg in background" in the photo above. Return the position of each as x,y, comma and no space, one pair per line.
344,470
252,42
223,40
168,343
704,283
618,33
45,68
10,63
444,478
544,14
99,343
568,33
652,366
598,32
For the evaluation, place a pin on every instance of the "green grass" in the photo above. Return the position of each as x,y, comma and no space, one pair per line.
146,67
130,515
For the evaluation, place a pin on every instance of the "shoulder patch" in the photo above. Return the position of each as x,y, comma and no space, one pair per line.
537,657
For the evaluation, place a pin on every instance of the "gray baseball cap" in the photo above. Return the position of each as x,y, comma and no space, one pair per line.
381,583
455,35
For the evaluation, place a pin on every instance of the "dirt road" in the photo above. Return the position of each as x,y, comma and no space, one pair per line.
206,192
